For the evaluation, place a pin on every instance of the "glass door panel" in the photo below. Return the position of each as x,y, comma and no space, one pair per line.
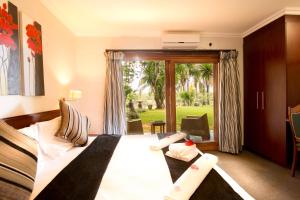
194,85
144,85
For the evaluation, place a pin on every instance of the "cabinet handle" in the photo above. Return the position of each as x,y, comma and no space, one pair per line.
262,100
256,100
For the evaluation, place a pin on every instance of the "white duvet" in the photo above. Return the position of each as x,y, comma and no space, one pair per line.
134,172
48,169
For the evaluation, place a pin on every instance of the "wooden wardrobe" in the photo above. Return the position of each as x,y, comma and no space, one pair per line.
271,85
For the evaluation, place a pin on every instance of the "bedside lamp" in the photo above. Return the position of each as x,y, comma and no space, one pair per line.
74,95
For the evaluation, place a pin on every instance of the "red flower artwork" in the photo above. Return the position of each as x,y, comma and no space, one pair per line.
7,26
34,40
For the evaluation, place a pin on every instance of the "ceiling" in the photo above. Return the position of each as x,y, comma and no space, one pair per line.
152,17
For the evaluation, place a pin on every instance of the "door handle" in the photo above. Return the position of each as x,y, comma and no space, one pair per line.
262,100
257,100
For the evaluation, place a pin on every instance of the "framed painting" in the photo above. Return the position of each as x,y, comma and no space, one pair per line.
32,57
10,71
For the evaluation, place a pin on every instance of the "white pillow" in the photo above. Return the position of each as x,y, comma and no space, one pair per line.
52,146
31,131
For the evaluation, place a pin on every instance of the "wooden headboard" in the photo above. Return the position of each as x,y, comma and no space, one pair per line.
26,120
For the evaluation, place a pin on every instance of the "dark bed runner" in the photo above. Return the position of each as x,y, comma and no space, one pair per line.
213,187
82,177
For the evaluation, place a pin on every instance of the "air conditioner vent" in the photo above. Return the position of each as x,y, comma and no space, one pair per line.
180,40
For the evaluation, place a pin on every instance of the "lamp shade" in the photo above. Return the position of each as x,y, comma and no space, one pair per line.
75,95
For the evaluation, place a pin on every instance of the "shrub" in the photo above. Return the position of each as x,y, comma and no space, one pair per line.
187,97
132,115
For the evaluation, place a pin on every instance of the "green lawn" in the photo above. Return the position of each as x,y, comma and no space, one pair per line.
181,112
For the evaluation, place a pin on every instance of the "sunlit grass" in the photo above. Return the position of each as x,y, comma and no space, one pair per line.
154,115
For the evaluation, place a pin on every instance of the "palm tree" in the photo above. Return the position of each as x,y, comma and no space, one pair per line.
153,75
202,91
206,71
196,73
128,77
182,74
190,68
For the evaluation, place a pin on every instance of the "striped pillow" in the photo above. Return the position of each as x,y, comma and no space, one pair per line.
74,127
18,163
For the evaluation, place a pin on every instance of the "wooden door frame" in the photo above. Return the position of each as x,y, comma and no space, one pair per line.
171,57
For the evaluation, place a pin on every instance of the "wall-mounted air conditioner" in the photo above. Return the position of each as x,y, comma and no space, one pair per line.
180,40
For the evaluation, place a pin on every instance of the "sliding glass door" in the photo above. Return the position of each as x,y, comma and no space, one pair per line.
144,85
172,90
194,87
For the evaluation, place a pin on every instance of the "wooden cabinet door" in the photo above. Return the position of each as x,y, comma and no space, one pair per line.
292,71
249,95
293,59
273,94
252,85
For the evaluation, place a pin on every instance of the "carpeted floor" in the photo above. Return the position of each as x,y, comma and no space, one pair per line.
259,177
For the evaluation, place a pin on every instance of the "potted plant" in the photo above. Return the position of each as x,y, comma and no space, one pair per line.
140,105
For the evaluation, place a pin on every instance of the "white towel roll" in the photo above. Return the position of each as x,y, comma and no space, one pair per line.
191,179
186,157
181,148
167,141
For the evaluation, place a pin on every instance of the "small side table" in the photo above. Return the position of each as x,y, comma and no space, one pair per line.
160,124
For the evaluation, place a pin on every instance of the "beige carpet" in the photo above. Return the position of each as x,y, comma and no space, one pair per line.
259,177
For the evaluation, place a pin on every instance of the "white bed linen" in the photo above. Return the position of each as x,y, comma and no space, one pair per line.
190,180
110,189
135,172
50,145
235,186
48,169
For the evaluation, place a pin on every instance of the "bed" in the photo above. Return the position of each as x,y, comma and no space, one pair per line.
124,168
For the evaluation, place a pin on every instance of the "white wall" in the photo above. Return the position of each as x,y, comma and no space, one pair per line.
90,78
59,63
90,66
79,63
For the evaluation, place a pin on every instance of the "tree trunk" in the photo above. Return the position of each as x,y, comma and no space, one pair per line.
159,101
207,91
196,88
202,93
182,85
187,85
159,104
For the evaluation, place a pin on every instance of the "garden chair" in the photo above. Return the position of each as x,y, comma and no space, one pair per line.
196,125
135,127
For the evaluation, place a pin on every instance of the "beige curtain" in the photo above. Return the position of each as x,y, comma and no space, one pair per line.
230,131
114,106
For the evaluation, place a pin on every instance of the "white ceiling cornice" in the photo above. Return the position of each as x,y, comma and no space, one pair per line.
220,35
278,14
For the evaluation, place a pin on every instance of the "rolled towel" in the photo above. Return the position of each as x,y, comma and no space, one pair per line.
167,141
182,148
187,157
191,179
